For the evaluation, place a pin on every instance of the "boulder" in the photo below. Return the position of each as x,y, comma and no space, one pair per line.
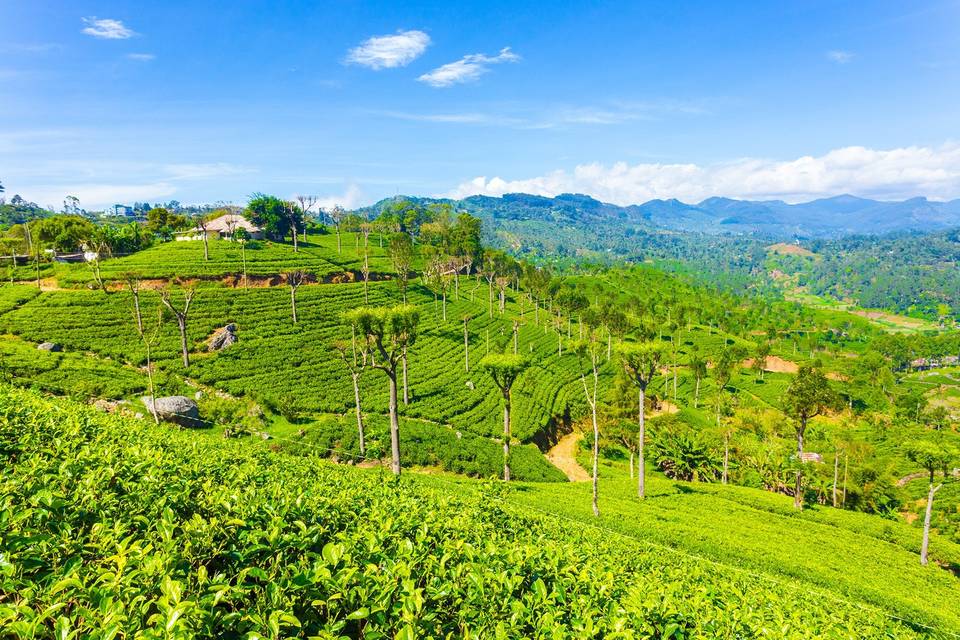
222,338
177,409
50,346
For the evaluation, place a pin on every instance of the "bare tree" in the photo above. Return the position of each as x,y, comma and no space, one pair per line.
202,225
337,214
402,252
466,343
588,350
934,457
365,272
148,339
291,210
33,249
294,280
306,204
348,354
181,315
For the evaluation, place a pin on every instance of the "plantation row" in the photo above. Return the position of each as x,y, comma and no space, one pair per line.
860,557
170,260
109,527
292,366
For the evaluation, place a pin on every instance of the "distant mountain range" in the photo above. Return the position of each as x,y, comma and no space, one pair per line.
824,218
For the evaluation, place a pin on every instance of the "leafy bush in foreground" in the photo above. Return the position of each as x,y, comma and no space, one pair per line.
110,526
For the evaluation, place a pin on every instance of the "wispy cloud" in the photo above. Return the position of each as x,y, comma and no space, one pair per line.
452,118
466,69
141,57
107,28
608,114
202,171
28,47
839,56
387,52
881,173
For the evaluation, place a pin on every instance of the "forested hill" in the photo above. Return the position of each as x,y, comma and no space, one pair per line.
824,218
910,272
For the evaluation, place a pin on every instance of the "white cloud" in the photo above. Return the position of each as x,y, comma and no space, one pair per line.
839,56
557,116
466,69
886,174
141,57
107,29
387,52
349,199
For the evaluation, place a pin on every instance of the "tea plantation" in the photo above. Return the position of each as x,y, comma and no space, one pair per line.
116,528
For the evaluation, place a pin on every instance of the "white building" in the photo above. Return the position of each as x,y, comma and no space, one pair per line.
223,227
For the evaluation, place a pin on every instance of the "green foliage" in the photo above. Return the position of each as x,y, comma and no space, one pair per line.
274,215
504,368
113,526
808,395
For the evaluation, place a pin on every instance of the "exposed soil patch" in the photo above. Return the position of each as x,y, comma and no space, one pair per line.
774,364
563,455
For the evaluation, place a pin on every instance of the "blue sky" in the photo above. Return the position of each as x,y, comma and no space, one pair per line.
199,102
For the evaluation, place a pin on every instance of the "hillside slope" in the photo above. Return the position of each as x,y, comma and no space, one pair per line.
111,525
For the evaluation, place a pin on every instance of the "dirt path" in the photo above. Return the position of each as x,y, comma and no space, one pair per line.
564,456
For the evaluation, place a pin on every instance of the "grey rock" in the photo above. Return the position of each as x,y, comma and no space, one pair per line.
223,338
177,409
50,346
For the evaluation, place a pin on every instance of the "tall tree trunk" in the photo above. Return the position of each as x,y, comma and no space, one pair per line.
406,394
182,324
206,246
696,394
506,436
836,469
339,245
596,445
797,495
926,523
726,457
356,400
293,232
846,460
631,465
293,303
444,304
152,389
394,425
641,485
243,257
674,378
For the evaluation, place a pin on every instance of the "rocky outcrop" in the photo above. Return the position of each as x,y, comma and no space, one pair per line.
222,338
50,346
177,409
